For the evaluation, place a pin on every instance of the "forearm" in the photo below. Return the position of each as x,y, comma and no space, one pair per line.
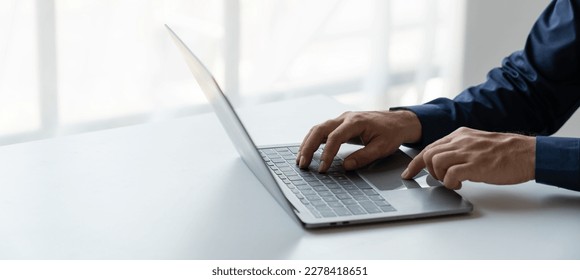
534,92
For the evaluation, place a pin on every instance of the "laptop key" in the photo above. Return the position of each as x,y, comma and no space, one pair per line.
312,197
325,193
294,150
316,214
387,208
355,192
341,211
315,183
370,207
333,186
349,187
309,193
320,188
382,203
328,181
356,210
300,170
318,203
298,183
289,173
376,198
337,191
336,165
362,184
330,198
310,179
334,204
369,192
349,202
361,198
283,164
294,178
336,168
327,214
321,176
322,208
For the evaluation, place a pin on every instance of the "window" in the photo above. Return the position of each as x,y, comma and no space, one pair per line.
19,105
72,66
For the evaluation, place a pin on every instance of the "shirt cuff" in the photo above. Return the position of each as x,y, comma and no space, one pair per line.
558,162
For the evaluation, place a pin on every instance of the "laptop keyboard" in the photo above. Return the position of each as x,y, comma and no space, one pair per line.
331,194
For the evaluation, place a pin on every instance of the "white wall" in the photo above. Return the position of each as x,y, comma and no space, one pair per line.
493,30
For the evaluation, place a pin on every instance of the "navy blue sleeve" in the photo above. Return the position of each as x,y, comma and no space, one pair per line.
557,161
534,92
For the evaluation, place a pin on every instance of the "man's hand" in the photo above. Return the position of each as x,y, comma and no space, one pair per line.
478,156
381,133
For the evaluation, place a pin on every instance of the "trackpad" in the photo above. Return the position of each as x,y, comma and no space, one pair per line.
385,173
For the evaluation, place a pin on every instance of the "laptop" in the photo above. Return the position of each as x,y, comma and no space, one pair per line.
375,193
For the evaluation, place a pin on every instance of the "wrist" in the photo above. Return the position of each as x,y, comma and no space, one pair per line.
409,126
526,145
531,163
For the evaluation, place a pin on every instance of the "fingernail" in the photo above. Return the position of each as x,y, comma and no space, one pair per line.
349,164
298,156
322,166
302,162
405,173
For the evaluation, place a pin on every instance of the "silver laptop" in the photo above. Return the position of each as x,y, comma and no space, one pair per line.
375,193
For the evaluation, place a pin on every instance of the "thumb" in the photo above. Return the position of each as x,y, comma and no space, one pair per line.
363,156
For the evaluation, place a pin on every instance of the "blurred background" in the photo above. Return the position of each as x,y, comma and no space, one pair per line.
69,66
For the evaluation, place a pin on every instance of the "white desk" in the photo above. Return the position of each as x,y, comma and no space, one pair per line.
178,190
